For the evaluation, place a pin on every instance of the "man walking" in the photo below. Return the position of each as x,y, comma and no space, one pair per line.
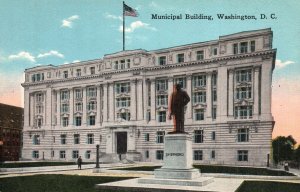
79,162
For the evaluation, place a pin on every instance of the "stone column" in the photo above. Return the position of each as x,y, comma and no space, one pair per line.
189,110
153,99
84,106
98,115
222,93
58,120
230,93
111,102
71,106
255,91
133,105
266,96
47,108
105,102
208,96
140,100
26,107
145,100
53,106
170,85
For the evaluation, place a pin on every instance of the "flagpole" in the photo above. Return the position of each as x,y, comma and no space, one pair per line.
123,27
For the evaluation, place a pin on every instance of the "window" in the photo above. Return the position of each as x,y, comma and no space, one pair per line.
65,121
36,139
78,93
214,95
78,107
199,81
252,46
200,55
35,154
243,47
214,113
39,97
88,154
160,136
64,95
213,154
162,116
75,154
199,97
78,72
78,121
76,139
116,65
37,77
39,109
162,100
62,154
243,135
123,102
214,79
162,60
180,58
147,154
243,112
92,120
162,85
181,81
198,155
90,138
213,135
65,108
125,116
160,155
49,75
243,93
127,63
198,136
91,92
53,139
39,122
235,48
244,75
65,74
52,153
63,139
242,155
215,51
199,114
122,88
122,64
92,70
147,137
92,105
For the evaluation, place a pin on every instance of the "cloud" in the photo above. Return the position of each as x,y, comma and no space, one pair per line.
75,61
135,25
69,21
110,16
280,64
51,53
23,55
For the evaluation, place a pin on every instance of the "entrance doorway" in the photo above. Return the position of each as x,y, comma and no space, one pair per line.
121,142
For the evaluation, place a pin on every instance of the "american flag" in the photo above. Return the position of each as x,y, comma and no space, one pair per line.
128,11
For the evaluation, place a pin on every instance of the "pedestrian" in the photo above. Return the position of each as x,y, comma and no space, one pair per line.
79,162
286,166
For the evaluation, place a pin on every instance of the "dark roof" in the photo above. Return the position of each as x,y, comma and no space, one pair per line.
11,116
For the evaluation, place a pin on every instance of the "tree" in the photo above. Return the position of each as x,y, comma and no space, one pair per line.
283,148
297,154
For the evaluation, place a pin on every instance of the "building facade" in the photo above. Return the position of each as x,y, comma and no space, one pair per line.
11,125
120,102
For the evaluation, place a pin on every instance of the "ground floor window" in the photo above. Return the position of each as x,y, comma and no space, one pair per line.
242,155
198,155
88,154
52,153
199,114
162,116
62,154
213,154
160,155
35,154
75,154
147,154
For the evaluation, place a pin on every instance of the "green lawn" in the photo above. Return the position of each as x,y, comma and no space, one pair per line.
54,183
36,164
222,169
268,186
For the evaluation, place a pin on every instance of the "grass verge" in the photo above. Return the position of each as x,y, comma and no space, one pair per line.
36,164
54,183
268,186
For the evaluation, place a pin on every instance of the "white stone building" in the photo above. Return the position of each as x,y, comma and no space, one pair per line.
120,102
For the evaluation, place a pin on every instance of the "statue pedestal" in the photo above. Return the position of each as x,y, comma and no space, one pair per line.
178,161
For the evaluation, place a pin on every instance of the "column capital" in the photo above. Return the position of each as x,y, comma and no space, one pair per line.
231,70
257,68
189,76
152,79
209,73
170,78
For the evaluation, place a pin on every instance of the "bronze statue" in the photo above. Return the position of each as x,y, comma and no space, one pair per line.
178,99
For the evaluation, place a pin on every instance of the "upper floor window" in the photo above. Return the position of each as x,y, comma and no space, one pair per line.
122,87
77,121
63,139
243,135
162,116
244,75
162,100
198,136
243,112
78,72
252,46
162,85
160,136
76,139
65,74
123,102
78,107
199,81
39,109
214,79
92,92
215,51
36,139
199,114
92,70
78,94
65,108
64,95
235,48
180,58
214,95
37,77
162,60
199,97
122,64
181,81
243,93
92,105
90,138
39,97
214,112
200,55
243,47
92,120
65,121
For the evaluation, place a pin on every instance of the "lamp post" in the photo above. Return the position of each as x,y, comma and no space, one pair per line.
97,156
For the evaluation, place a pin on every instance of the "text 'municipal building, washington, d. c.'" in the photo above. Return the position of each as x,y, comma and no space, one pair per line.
120,103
